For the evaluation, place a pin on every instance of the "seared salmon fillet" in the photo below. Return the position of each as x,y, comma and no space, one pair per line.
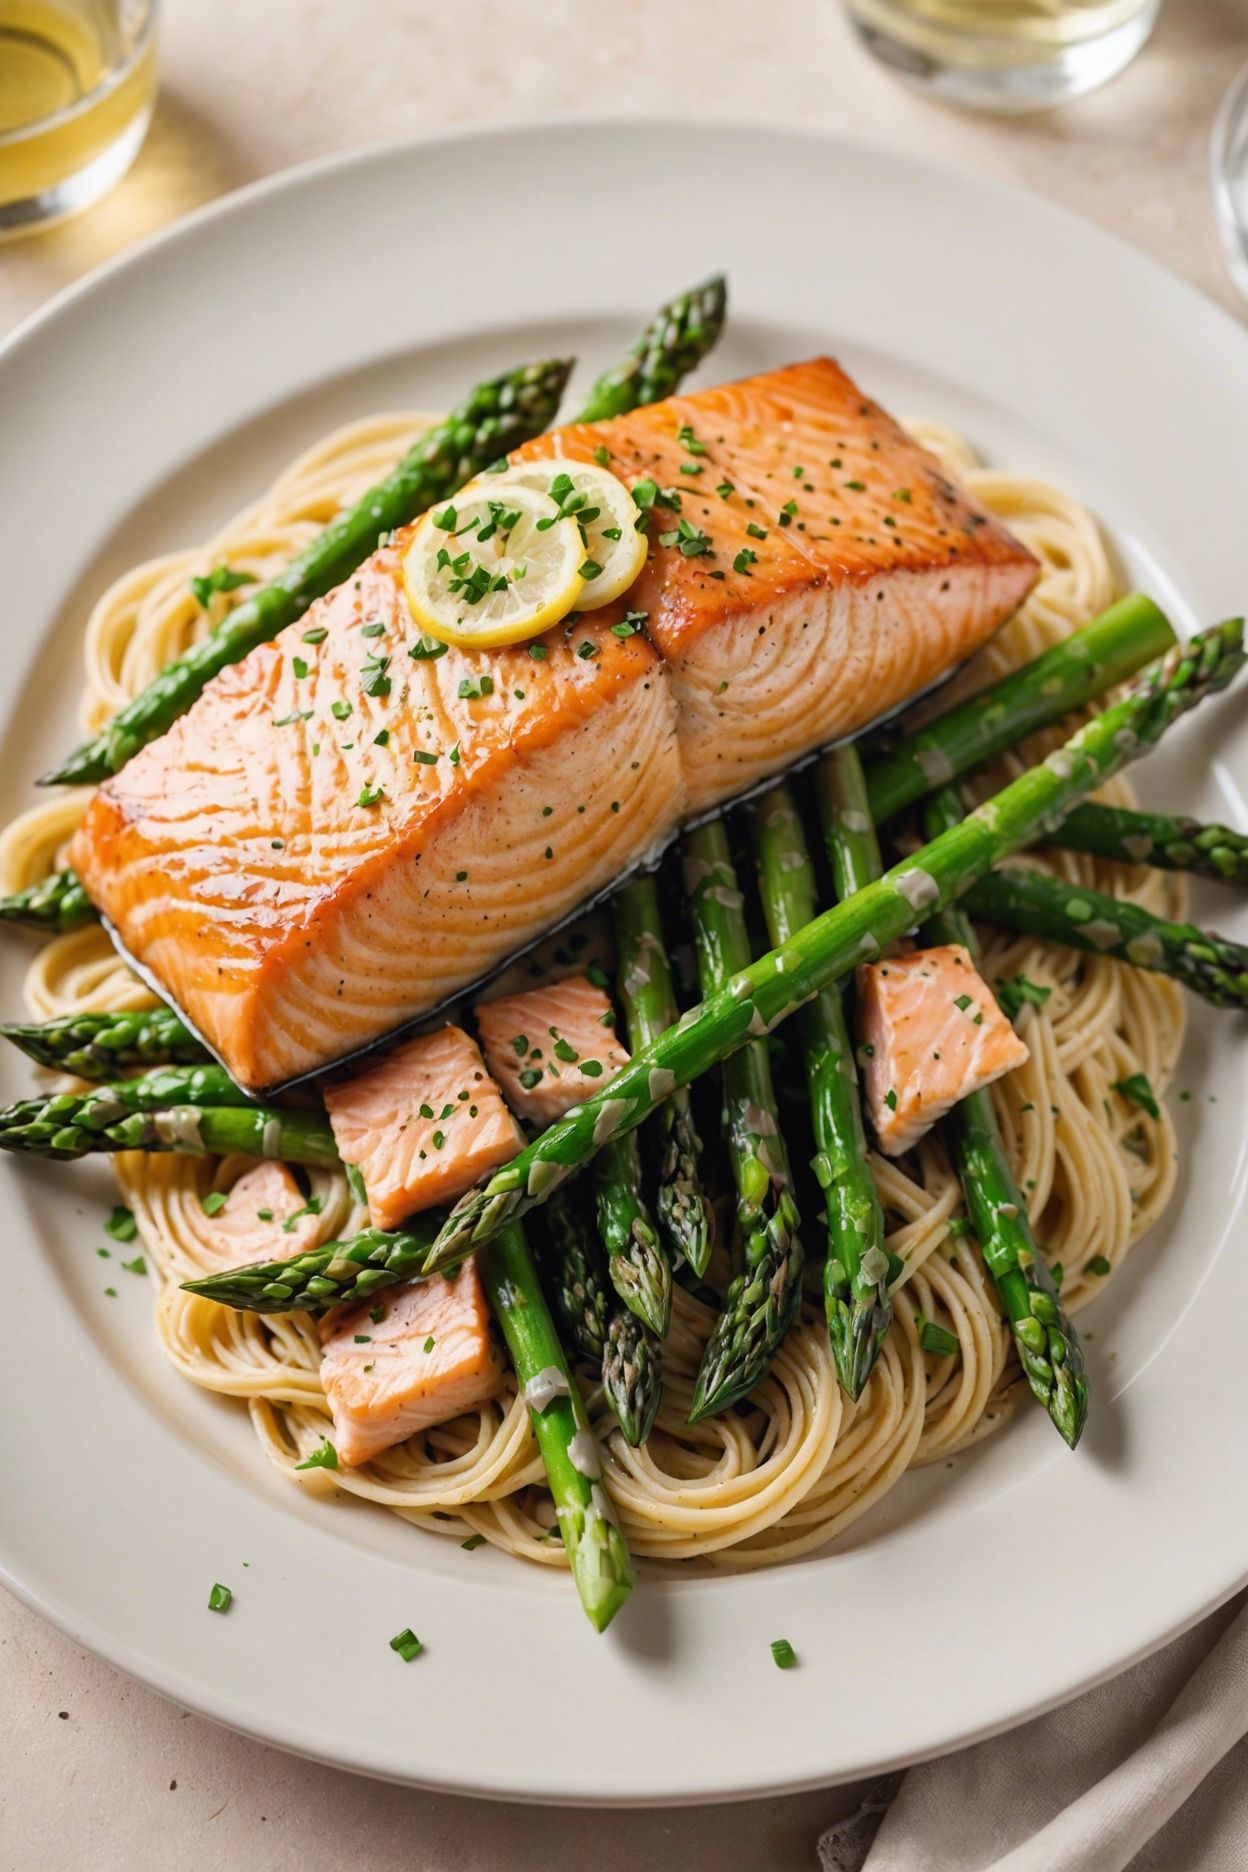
426,1358
549,1048
421,1125
350,825
932,1033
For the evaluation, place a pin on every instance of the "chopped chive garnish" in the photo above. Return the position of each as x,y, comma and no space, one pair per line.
478,1540
370,795
220,1599
1137,1090
934,1338
121,1224
317,634
220,579
783,1652
407,1644
324,1456
214,1202
137,1266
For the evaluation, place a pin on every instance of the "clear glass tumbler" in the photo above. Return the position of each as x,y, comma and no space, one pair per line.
1005,55
77,82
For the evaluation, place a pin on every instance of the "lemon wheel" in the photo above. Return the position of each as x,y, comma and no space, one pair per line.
499,564
606,513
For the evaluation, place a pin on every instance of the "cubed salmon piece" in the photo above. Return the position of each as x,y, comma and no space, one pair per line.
425,1359
265,1218
422,1125
930,1033
551,1047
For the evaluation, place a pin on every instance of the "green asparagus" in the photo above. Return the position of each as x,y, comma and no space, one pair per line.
675,341
1019,899
1046,1342
640,1271
631,1375
495,416
1158,839
95,1046
1064,677
856,1268
649,1003
596,1549
33,1122
201,1130
56,905
762,1299
757,998
570,1259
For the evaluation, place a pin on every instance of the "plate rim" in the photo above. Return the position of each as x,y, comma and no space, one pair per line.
305,176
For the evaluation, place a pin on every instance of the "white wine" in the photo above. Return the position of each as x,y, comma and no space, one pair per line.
77,79
1005,55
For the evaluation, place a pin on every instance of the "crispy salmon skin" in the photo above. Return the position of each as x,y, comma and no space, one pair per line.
352,824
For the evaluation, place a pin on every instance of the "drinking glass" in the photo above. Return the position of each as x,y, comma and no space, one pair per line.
1229,171
1005,55
77,81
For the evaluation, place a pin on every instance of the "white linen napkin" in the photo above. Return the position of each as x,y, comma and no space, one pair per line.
1148,1772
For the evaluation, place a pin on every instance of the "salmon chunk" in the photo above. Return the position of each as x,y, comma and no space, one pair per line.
425,1359
931,1032
422,1125
353,823
265,1218
549,1048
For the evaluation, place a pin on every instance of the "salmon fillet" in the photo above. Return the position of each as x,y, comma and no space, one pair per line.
551,1047
931,1033
422,1125
265,1218
345,830
427,1358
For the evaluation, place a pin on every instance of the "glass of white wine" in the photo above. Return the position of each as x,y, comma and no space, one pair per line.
77,82
1005,55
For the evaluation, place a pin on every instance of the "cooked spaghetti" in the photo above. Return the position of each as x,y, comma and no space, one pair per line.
793,1469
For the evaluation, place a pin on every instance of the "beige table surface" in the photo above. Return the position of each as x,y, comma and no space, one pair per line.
95,1771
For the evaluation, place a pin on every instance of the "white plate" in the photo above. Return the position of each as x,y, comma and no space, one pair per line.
146,406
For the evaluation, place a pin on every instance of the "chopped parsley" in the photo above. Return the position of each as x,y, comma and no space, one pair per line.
1099,1265
220,579
744,560
317,634
934,1338
340,710
121,1224
1018,992
428,650
324,1456
373,676
1137,1090
429,1344
370,795
472,688
137,1266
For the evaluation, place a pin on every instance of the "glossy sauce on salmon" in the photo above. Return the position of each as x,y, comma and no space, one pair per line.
351,825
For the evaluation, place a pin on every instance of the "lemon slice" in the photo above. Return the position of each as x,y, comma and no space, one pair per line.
606,513
497,565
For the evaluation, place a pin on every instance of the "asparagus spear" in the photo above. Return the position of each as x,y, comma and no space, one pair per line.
1016,899
640,1271
630,1375
649,1002
201,1130
1154,838
33,1122
856,1268
596,1549
57,904
94,1046
1070,674
761,1301
1046,1342
495,416
675,341
757,998
570,1258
